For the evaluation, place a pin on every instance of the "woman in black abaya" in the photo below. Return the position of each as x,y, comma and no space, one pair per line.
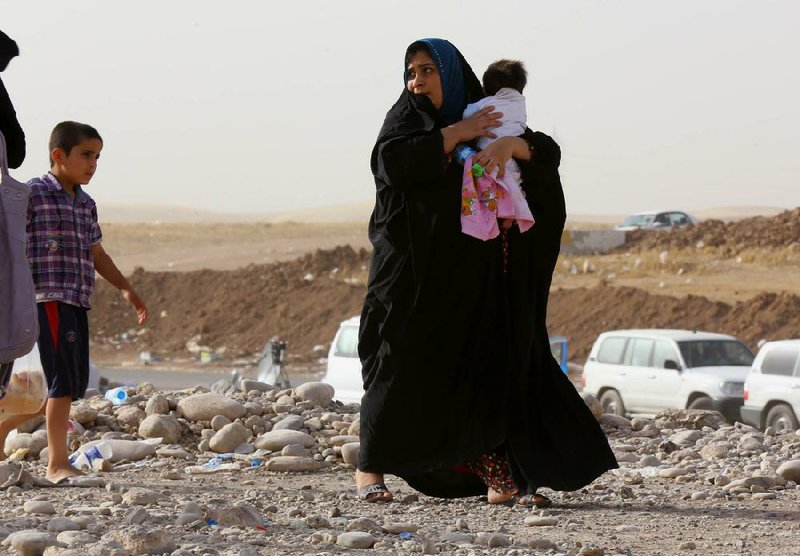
461,391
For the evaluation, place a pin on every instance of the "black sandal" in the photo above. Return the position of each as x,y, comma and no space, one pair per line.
375,492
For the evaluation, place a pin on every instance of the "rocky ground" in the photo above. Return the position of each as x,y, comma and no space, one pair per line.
251,470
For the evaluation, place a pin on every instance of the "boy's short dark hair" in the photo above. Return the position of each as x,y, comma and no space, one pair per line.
68,134
504,73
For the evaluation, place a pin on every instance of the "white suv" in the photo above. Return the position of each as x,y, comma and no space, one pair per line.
772,389
646,371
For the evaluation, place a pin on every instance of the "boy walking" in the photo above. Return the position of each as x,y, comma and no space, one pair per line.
64,251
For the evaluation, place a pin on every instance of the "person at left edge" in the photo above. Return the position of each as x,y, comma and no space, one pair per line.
9,125
64,250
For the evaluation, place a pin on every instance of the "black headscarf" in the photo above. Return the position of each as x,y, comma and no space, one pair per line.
8,50
9,126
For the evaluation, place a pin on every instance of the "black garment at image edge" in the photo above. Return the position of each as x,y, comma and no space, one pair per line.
9,125
455,352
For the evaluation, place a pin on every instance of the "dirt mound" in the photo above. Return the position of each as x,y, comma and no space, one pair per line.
581,314
782,230
304,300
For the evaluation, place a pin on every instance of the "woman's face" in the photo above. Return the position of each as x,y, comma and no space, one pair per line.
424,78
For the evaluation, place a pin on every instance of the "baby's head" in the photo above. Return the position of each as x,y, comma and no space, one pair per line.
504,74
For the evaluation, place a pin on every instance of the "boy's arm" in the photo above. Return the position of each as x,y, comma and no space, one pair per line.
106,268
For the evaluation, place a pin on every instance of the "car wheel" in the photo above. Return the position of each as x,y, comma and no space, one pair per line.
781,417
703,402
612,403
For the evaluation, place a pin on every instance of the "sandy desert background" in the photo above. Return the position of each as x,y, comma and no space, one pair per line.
236,280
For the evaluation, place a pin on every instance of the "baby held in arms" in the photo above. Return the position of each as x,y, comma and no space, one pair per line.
487,198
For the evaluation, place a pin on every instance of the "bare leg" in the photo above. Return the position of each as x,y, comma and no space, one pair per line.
365,479
58,466
12,422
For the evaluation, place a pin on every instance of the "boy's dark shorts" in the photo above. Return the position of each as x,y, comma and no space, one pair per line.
64,348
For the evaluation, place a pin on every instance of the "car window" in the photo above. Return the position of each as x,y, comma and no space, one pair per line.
715,353
678,219
347,342
663,352
611,350
639,351
662,218
638,220
779,361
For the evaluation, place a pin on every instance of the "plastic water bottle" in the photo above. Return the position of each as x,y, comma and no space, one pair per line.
463,152
84,458
117,395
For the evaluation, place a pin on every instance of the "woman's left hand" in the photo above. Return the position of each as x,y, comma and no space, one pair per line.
495,156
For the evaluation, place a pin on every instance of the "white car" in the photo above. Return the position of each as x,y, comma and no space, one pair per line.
344,366
647,371
772,389
656,220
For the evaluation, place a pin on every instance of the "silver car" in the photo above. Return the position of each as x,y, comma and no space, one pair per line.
656,220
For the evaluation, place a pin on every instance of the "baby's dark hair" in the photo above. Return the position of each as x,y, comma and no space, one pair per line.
504,73
68,134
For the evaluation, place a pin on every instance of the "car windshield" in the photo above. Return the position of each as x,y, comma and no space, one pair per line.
715,353
638,220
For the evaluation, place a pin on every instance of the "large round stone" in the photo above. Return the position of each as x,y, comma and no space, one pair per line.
145,540
355,539
30,542
204,407
350,453
229,437
166,427
292,464
40,507
318,393
130,415
790,470
290,422
276,440
686,438
83,413
157,405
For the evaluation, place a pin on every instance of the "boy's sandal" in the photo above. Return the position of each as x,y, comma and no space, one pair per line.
534,501
376,492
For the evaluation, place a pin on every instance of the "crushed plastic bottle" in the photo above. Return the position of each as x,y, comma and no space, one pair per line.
213,463
211,466
83,458
117,396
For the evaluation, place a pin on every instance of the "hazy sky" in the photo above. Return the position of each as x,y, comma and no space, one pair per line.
263,106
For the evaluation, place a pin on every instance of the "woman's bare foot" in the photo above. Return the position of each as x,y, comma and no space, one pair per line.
365,480
58,474
498,497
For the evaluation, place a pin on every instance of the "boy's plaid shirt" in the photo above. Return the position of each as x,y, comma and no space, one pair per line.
61,233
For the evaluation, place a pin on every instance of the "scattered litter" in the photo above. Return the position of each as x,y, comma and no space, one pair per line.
117,396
